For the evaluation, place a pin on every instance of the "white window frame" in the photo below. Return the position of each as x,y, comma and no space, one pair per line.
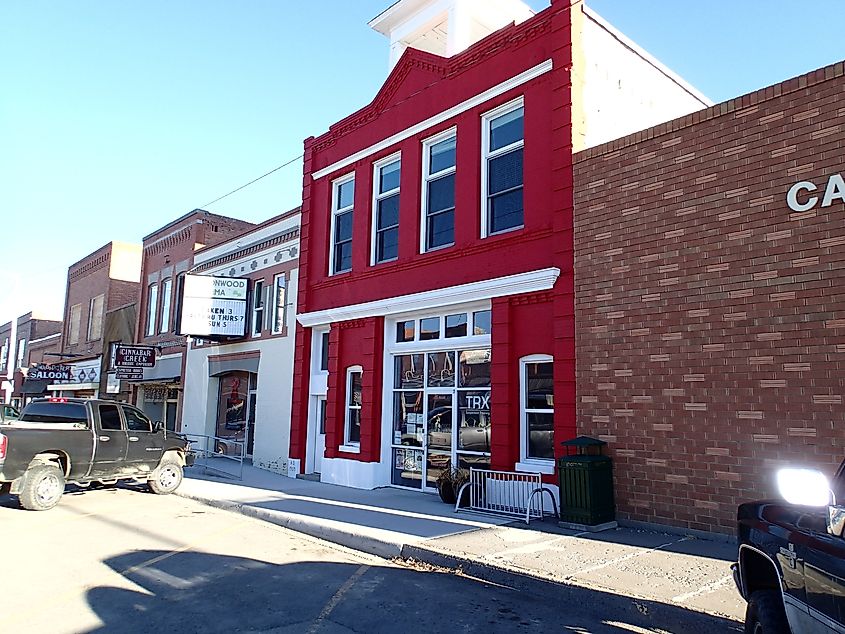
427,178
73,329
349,445
152,309
526,463
336,212
275,300
256,323
166,302
21,352
95,316
486,155
377,197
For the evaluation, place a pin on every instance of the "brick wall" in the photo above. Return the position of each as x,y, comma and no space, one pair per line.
710,317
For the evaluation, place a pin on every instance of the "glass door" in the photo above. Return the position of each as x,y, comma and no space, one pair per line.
440,418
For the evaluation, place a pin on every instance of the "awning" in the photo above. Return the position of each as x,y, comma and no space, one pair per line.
166,370
223,366
31,386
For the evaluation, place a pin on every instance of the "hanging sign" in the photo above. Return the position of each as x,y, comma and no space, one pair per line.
128,356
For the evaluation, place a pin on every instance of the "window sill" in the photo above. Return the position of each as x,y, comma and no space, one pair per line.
350,448
546,467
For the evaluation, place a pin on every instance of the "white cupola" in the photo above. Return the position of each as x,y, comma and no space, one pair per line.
445,27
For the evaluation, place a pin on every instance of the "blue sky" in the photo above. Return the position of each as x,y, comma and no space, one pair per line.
116,117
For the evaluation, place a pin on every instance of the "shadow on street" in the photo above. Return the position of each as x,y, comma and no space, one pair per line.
200,592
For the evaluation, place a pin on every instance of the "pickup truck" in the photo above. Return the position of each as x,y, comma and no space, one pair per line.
791,563
60,440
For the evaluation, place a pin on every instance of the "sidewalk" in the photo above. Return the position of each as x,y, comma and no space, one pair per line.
654,567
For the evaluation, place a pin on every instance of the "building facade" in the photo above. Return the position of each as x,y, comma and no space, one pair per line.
38,341
168,253
437,321
102,292
709,277
238,393
7,373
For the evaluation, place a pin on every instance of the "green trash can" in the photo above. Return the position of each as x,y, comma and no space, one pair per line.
586,483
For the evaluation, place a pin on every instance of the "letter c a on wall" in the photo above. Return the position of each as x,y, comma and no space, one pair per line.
792,197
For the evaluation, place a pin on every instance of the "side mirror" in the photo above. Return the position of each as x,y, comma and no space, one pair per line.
836,521
158,426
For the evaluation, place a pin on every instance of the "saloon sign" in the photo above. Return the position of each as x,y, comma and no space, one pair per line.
43,372
801,196
213,306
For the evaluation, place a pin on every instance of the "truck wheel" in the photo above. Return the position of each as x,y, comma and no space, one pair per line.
765,614
42,487
166,478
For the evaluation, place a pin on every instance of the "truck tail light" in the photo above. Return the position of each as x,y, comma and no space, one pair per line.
3,442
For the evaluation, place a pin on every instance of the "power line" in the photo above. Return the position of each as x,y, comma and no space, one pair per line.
275,169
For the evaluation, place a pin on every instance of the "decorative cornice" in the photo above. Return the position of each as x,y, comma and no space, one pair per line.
530,282
251,250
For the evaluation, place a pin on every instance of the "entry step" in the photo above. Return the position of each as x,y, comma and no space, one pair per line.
313,477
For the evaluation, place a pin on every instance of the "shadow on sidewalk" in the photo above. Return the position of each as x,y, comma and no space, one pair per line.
200,592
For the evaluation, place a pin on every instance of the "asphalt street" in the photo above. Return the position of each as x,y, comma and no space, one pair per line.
123,560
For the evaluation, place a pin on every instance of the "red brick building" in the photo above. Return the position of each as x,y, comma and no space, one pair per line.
168,253
102,291
436,289
710,300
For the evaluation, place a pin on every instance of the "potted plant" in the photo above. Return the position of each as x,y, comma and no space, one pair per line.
450,481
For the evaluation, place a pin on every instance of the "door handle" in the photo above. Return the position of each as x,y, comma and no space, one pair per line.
133,439
105,438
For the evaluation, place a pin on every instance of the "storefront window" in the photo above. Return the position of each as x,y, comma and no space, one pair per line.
352,434
456,325
538,409
481,322
441,369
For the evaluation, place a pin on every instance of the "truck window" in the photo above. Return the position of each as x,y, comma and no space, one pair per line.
109,418
50,412
136,421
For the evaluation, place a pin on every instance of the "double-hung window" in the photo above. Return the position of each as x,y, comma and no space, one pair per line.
352,426
538,409
166,292
152,309
343,199
257,307
502,173
95,318
439,191
279,299
386,210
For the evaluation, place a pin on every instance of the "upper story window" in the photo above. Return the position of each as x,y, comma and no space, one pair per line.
73,326
152,309
166,288
386,210
279,301
21,352
502,173
343,200
95,318
257,307
438,193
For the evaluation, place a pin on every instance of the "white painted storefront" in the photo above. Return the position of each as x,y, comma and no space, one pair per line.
241,391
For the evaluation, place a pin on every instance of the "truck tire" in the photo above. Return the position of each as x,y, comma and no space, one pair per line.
166,478
765,613
42,487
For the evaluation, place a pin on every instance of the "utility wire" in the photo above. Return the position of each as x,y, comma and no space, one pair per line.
276,169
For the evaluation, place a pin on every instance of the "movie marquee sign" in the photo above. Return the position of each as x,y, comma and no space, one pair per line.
213,306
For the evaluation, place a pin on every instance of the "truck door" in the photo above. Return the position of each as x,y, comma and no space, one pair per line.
144,448
110,447
824,579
